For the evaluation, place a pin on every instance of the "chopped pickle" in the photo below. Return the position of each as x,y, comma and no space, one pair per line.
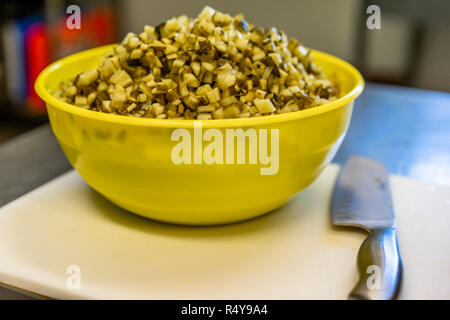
212,67
264,105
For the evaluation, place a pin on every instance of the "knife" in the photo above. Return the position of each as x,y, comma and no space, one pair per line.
362,199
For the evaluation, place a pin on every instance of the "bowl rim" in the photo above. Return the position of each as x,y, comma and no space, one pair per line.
49,99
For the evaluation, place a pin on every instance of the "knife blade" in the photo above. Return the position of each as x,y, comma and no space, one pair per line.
362,196
362,199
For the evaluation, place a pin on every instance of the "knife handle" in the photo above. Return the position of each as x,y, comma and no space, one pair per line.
380,267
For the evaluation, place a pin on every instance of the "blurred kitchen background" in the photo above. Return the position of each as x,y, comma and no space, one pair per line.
412,48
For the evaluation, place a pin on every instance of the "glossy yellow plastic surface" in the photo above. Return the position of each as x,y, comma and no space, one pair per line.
128,159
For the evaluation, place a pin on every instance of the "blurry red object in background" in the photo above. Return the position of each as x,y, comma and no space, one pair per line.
37,57
98,27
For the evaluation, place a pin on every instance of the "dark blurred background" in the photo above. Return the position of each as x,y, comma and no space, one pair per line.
412,48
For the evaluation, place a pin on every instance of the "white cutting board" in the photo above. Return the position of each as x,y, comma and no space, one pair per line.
293,253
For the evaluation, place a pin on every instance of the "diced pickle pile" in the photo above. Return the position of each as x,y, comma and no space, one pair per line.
212,67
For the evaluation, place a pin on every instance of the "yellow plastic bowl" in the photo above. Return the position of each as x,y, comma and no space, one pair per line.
128,159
